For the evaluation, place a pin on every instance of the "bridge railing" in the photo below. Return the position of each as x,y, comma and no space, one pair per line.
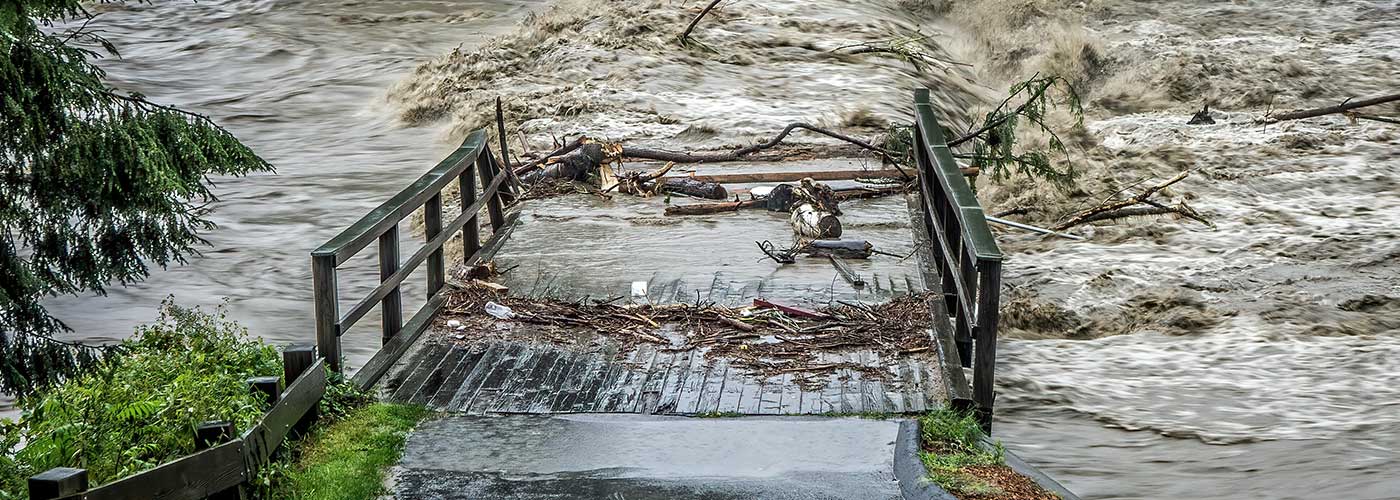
382,225
967,260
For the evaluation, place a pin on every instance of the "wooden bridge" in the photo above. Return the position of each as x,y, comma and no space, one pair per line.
958,262
957,257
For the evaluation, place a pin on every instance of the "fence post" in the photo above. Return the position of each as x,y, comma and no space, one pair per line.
206,436
391,307
432,226
57,482
296,359
984,374
269,387
471,232
484,166
327,309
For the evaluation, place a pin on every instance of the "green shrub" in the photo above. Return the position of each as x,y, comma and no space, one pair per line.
139,408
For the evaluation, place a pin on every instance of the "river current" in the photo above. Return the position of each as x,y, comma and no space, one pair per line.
1257,359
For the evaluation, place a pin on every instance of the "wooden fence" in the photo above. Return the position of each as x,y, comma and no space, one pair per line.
382,224
225,463
968,263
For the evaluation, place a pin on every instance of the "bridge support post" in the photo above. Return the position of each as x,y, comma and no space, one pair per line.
984,374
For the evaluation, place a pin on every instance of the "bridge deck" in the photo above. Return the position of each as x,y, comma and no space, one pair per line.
516,377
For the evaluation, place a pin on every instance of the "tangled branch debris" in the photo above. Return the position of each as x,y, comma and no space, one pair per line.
1120,209
1345,107
763,338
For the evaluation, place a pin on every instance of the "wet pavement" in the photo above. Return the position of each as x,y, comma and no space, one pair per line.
617,456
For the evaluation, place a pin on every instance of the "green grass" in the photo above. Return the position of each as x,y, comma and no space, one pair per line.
951,442
347,459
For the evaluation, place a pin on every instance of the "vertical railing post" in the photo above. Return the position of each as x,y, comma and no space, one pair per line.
327,309
984,373
58,482
215,432
484,166
432,226
391,307
296,359
471,233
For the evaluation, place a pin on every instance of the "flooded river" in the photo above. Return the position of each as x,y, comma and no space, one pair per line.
1162,359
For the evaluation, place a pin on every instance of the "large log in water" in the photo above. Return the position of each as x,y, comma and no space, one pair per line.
809,222
692,187
573,166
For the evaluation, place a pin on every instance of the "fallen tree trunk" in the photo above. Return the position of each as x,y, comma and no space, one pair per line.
694,187
714,208
574,166
809,222
845,249
656,154
1340,108
820,175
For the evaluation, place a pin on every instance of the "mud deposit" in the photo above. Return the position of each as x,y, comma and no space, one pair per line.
1160,359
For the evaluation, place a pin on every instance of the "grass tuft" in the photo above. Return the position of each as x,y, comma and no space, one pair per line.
347,459
950,445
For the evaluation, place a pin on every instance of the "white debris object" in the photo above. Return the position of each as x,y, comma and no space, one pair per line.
499,311
452,323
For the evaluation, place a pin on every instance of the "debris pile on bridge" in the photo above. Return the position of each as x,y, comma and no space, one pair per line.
767,339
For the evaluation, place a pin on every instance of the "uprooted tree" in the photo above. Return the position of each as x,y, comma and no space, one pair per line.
95,184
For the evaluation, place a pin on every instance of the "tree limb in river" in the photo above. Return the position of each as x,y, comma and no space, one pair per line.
1125,208
685,36
1344,107
738,154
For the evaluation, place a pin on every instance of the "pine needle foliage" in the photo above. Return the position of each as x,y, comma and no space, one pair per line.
996,148
96,185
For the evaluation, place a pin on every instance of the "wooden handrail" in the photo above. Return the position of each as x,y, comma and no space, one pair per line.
967,259
472,160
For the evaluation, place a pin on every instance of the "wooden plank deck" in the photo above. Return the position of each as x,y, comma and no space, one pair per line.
517,377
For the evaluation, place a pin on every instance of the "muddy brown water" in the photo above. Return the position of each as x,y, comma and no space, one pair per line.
1271,378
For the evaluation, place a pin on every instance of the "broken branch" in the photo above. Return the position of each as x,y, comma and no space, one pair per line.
1340,108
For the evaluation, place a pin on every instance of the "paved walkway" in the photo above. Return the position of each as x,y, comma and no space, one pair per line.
637,457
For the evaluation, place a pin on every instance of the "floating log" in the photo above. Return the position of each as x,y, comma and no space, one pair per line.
693,187
573,166
713,208
809,222
821,175
846,249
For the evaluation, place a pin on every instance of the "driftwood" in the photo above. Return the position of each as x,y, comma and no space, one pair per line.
694,187
541,161
821,175
1340,108
573,166
846,249
1109,210
738,154
779,200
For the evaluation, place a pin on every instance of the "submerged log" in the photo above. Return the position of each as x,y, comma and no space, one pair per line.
845,249
820,175
692,187
574,166
809,222
713,208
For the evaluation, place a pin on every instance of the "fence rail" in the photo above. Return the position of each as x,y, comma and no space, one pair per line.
382,224
226,464
967,261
